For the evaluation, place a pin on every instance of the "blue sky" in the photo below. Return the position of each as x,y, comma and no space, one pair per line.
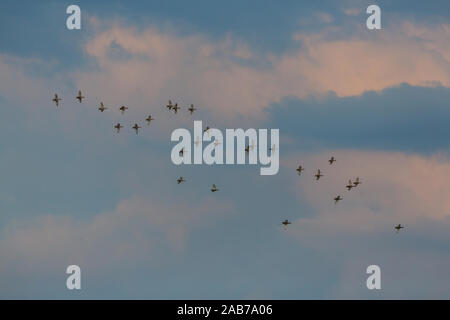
75,192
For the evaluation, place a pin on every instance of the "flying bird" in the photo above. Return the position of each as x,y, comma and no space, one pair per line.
176,108
169,105
285,224
350,185
118,127
123,109
299,170
136,127
252,145
102,107
149,119
80,96
337,199
273,148
332,160
192,109
56,100
180,180
318,174
356,182
398,228
206,130
214,188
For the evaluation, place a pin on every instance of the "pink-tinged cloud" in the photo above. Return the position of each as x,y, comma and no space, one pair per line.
352,11
396,188
146,68
216,74
358,231
21,87
139,229
352,66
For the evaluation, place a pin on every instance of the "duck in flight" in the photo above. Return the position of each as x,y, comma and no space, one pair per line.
398,228
206,130
273,148
299,170
214,188
80,96
337,199
180,180
356,182
102,107
149,119
192,109
332,160
169,105
176,108
318,174
136,127
123,109
251,147
350,185
56,100
285,223
118,127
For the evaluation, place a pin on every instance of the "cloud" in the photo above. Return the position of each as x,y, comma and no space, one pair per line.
374,62
140,229
143,68
154,67
325,17
358,231
352,11
20,86
146,67
396,188
225,76
415,122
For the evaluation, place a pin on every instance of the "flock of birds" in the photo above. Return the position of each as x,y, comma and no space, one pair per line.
318,175
122,110
170,106
350,185
174,107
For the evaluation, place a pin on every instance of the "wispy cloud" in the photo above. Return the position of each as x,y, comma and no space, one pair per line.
222,76
140,229
396,188
150,66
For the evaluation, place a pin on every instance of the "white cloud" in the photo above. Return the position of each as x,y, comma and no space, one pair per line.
213,75
396,188
145,68
139,229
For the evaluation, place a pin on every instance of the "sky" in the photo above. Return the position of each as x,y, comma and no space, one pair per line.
74,192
